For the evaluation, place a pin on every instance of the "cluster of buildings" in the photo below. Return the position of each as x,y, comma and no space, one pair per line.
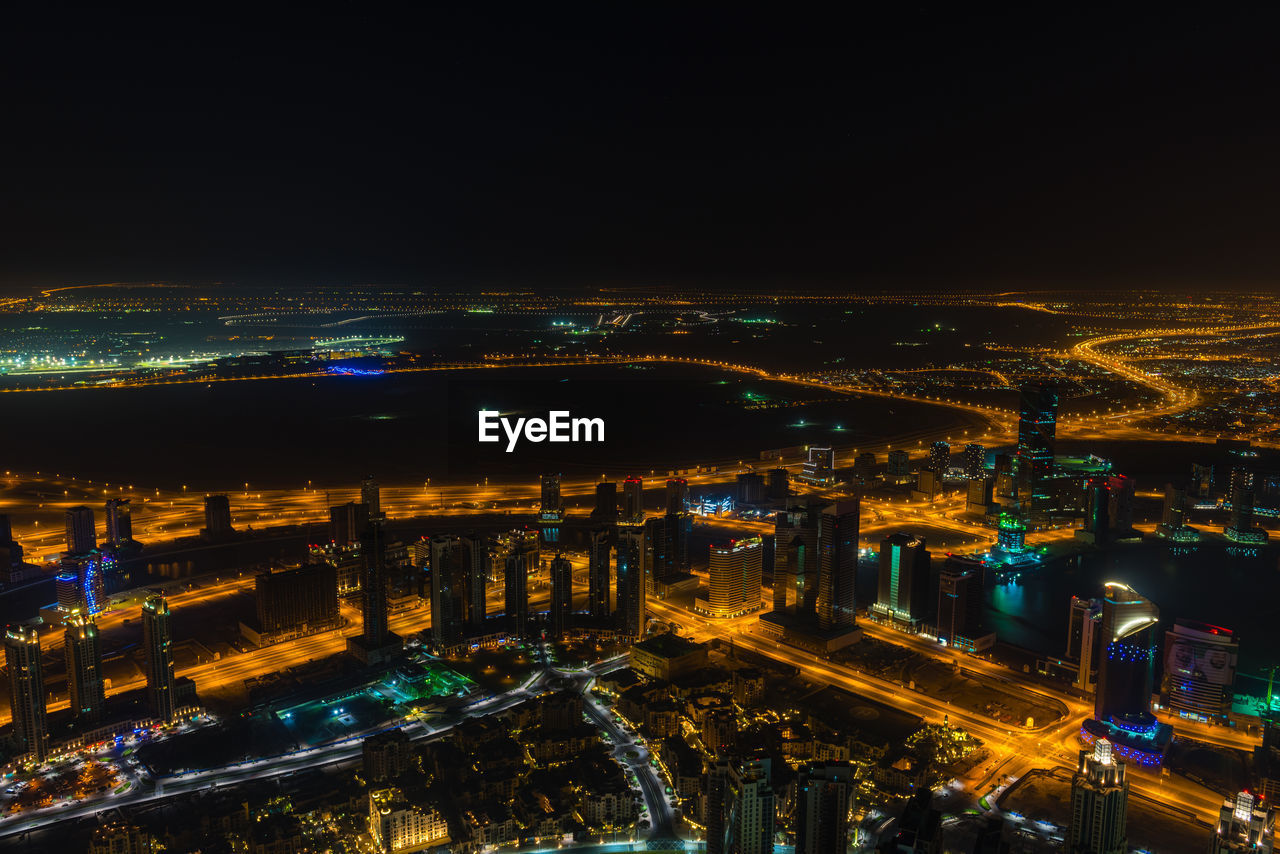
91,718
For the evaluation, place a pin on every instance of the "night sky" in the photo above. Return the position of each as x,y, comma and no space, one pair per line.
643,146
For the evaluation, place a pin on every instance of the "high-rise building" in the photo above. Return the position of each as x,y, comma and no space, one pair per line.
1199,670
820,467
1173,521
749,808
1240,527
81,538
838,565
1099,803
1127,667
550,507
450,572
779,484
119,523
606,509
348,523
371,497
10,551
561,595
751,488
26,691
598,580
899,465
375,634
1037,430
298,601
796,560
864,468
476,548
959,602
1245,823
823,790
1202,480
157,648
385,755
631,572
975,460
217,516
84,668
398,825
1108,508
633,500
521,561
939,457
735,578
1084,640
119,838
667,545
677,495
903,589
980,494
81,582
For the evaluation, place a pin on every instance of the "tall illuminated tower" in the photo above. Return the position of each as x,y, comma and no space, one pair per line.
606,507
449,600
81,537
903,589
735,578
1099,803
561,594
822,807
838,565
84,668
633,500
598,571
157,648
477,560
1126,671
119,522
1037,431
631,570
677,495
521,560
26,690
371,497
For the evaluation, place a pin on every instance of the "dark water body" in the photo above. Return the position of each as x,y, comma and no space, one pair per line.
404,428
1208,584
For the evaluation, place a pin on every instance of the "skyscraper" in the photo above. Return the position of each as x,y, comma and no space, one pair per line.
838,565
348,523
297,601
1240,527
84,668
598,571
864,468
1037,429
119,523
371,497
1245,824
959,602
735,578
550,506
631,572
975,460
667,545
1127,667
26,691
750,488
478,564
633,500
87,570
779,484
677,495
1199,670
521,560
796,560
822,807
373,587
450,568
1084,640
1099,803
561,595
81,538
749,810
939,457
606,508
217,516
903,589
157,648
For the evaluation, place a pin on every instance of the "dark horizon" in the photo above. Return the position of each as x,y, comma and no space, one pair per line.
459,150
